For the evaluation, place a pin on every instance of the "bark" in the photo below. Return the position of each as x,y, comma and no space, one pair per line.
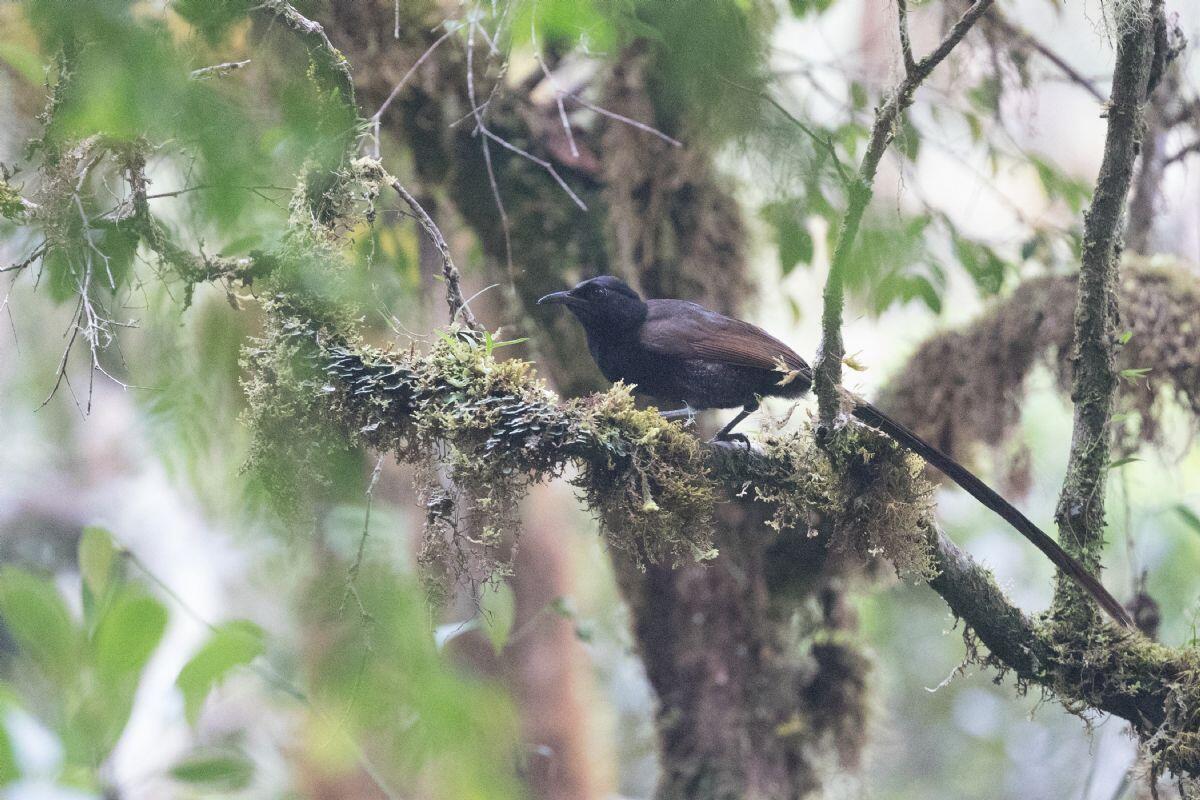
548,667
1080,512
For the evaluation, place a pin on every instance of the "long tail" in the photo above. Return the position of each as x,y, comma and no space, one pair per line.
988,496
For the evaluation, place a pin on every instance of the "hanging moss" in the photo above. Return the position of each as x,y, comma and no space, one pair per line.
965,386
482,430
867,494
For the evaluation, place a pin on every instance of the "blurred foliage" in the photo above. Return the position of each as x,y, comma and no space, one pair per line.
433,731
377,683
79,677
374,688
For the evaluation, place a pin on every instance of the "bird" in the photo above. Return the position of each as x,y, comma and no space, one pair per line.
681,352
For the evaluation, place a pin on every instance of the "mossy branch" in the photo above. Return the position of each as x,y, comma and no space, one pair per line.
654,486
942,394
324,53
1080,512
827,377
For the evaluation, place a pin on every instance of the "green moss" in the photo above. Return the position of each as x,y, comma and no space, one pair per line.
864,491
1099,666
652,491
1090,666
12,205
481,431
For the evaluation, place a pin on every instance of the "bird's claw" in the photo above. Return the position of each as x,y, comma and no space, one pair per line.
732,440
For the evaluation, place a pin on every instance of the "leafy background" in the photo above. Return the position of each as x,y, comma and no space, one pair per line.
165,633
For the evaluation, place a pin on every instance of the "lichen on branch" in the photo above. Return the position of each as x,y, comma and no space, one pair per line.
494,429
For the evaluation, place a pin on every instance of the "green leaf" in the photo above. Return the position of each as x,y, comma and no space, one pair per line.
858,96
96,556
231,645
1125,337
1058,184
791,235
1120,462
986,95
223,771
509,342
986,268
908,140
38,620
802,8
126,636
212,18
499,610
1189,517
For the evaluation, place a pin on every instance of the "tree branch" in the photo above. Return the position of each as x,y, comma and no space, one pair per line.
910,64
454,297
398,400
1182,153
318,44
1080,512
828,369
1014,32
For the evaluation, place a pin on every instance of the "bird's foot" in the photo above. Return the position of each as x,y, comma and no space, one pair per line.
731,440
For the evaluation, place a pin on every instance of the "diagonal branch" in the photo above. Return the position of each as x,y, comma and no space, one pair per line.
1015,34
828,371
454,297
319,45
906,51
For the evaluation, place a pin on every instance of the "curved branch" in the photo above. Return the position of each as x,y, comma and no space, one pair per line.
454,297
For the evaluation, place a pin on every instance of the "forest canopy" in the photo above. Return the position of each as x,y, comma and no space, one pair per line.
309,497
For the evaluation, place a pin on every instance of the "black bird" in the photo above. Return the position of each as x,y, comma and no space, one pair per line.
681,352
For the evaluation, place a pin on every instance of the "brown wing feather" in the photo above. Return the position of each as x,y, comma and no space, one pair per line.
687,330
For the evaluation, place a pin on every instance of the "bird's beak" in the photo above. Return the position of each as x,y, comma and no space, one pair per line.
556,298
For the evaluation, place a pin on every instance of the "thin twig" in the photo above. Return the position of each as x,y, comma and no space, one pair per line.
825,143
487,150
356,565
378,115
37,253
454,297
558,92
217,70
998,21
633,123
1182,153
541,162
910,63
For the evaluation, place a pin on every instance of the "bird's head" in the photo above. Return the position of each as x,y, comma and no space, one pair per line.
605,305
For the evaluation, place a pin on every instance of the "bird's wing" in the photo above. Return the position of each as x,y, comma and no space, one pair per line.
686,330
